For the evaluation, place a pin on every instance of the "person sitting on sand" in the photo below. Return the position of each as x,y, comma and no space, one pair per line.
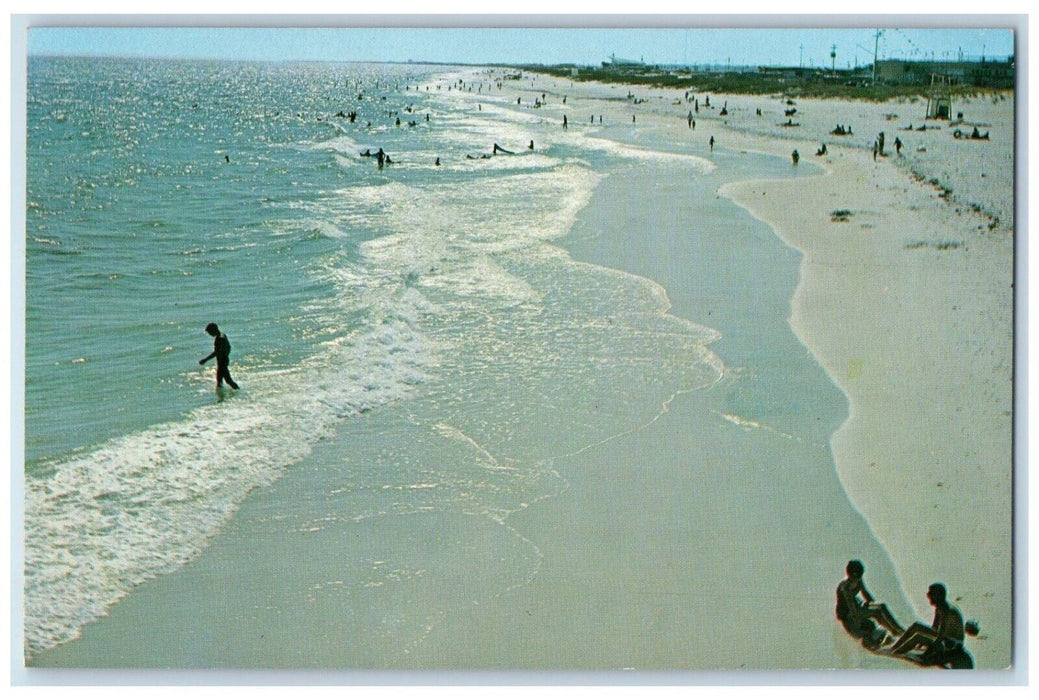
942,642
857,610
821,151
530,147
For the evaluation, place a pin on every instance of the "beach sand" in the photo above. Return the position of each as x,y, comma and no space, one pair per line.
909,307
908,304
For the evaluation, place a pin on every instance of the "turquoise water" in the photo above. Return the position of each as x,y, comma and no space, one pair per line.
165,195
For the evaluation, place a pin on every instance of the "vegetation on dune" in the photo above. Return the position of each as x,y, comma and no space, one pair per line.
789,83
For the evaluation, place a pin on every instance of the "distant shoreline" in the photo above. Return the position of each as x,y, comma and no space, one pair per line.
811,83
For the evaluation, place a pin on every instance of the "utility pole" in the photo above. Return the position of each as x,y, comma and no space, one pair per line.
801,63
833,58
876,46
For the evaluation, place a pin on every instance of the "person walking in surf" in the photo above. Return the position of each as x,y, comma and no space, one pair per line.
222,353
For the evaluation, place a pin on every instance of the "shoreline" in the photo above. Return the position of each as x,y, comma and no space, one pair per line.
839,307
661,538
910,312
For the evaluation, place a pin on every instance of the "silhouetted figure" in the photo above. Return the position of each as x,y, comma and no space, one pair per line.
941,644
564,121
437,163
859,613
821,151
689,119
795,156
498,149
531,146
712,143
898,146
227,158
880,143
222,353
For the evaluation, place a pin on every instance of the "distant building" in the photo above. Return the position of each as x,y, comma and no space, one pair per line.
615,62
992,73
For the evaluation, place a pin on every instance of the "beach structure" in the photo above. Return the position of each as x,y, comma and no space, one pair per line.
939,102
979,73
615,62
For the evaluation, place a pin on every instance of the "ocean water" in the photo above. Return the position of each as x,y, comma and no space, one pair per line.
417,325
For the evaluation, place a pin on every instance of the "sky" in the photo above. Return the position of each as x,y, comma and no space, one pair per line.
675,39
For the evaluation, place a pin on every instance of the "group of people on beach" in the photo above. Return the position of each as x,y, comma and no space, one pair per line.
938,644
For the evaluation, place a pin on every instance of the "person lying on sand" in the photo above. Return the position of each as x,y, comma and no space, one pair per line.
941,644
858,612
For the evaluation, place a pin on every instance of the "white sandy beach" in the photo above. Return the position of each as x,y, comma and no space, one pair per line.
909,306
